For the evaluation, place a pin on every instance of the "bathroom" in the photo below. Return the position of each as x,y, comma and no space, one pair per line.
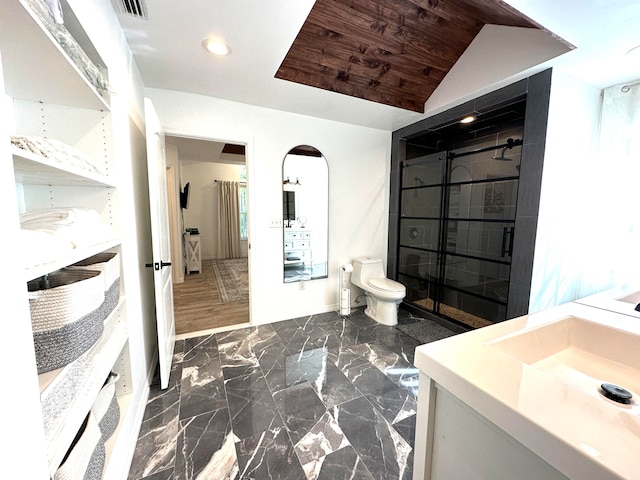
358,161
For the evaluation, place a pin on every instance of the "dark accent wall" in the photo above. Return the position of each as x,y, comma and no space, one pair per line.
536,90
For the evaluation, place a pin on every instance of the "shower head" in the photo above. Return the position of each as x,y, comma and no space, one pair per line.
501,157
508,146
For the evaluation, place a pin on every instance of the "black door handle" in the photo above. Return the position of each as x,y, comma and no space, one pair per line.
158,265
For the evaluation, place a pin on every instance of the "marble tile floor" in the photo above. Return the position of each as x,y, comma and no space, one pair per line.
319,397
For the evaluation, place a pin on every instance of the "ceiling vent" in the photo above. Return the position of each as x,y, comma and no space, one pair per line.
134,8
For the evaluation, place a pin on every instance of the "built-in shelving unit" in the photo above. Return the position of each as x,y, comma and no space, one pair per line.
52,98
67,398
33,169
32,48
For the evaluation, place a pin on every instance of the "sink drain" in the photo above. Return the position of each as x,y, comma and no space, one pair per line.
616,393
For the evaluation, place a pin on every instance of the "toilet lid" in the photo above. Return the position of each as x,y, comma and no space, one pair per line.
386,284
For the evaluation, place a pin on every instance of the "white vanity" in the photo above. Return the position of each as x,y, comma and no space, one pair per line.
297,247
523,400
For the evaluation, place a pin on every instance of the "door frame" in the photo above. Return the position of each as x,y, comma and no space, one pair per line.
248,158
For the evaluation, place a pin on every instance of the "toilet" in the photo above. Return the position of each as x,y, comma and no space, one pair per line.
383,294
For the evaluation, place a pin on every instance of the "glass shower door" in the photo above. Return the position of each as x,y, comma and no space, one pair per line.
420,227
456,232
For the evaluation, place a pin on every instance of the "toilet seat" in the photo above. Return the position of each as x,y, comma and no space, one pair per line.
386,285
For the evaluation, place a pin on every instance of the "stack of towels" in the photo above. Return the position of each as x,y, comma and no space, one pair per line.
49,234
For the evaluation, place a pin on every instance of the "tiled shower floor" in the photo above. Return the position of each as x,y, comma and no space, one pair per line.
319,397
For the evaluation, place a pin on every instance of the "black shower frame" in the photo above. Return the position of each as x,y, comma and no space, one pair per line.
441,252
535,90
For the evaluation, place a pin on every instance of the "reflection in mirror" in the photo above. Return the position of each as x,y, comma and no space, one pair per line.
305,214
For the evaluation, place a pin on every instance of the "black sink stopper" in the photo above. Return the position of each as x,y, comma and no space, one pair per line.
616,393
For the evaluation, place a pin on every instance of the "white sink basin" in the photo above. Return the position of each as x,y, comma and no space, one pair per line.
620,299
633,299
580,353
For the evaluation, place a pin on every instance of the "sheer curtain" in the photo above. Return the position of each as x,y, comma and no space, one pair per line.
618,181
228,220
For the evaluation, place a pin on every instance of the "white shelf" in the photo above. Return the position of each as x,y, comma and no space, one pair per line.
27,47
34,169
67,398
75,256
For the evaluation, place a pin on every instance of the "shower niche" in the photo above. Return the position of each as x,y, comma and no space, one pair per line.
461,201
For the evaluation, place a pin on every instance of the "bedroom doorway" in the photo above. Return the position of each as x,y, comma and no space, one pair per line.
211,291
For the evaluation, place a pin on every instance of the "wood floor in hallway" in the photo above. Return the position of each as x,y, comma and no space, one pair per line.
198,306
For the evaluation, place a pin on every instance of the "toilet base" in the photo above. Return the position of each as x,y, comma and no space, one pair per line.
385,313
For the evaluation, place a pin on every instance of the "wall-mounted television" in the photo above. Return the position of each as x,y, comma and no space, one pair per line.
184,197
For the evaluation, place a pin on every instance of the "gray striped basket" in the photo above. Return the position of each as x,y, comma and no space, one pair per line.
105,407
67,315
86,457
109,264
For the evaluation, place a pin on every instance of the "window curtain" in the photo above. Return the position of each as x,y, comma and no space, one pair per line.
228,220
618,180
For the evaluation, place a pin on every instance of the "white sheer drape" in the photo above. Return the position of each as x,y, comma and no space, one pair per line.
619,179
228,244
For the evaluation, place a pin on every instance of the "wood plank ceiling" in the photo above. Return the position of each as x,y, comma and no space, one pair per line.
394,52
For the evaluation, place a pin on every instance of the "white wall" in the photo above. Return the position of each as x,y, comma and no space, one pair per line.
358,160
564,251
498,56
203,202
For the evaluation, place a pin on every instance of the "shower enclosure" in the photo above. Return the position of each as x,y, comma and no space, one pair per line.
464,204
457,226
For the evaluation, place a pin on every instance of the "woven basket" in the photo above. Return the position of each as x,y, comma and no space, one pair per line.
106,409
86,457
67,315
109,265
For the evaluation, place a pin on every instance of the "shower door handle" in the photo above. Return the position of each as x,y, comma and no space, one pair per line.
507,236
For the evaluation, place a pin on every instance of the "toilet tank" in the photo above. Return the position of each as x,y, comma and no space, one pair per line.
364,269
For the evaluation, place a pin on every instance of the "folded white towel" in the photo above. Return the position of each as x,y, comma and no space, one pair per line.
52,217
83,236
38,248
80,227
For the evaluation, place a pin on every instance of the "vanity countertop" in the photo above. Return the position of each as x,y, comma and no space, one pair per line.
552,409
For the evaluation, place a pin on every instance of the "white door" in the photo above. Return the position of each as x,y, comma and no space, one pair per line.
161,262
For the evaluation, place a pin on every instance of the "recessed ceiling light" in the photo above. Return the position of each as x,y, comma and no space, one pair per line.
468,119
216,47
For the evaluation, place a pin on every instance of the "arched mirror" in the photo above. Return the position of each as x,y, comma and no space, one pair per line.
305,213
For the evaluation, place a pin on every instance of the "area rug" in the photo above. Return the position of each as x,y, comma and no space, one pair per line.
232,277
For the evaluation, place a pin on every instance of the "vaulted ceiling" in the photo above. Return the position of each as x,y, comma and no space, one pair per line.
374,62
394,52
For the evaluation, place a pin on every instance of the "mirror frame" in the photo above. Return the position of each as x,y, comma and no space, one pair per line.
299,235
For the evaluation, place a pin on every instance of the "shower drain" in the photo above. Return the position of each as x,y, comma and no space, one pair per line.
616,393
